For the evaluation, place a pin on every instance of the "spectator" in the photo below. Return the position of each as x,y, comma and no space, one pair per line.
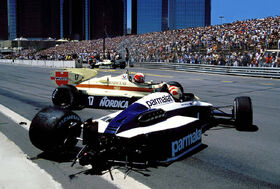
268,60
238,43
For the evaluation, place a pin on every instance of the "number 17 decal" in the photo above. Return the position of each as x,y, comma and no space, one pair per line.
90,100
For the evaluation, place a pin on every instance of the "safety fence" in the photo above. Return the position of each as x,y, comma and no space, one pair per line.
267,72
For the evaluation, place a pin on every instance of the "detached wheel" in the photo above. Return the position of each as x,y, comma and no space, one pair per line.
65,96
175,83
55,129
242,112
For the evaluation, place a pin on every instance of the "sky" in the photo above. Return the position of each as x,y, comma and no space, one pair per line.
233,10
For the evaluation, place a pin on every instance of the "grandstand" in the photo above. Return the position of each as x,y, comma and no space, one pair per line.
237,43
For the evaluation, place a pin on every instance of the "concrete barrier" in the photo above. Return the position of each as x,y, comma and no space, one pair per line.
42,63
70,64
7,61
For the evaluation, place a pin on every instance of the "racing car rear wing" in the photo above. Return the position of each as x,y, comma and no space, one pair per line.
68,76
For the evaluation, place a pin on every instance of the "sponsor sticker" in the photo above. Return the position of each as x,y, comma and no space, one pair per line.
187,104
61,78
182,144
124,77
117,82
76,76
108,103
67,118
165,99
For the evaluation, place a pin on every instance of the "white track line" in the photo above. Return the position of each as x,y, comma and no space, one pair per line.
120,179
16,170
25,123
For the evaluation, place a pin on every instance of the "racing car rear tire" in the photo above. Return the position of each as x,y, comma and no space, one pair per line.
176,84
113,65
55,129
242,112
122,66
66,96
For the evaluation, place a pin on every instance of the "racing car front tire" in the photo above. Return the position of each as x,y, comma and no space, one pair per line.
55,129
242,112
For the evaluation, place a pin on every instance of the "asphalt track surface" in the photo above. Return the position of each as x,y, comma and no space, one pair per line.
229,158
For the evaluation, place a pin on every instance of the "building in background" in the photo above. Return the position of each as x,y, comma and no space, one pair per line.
33,19
149,16
71,19
12,18
107,18
125,17
189,13
37,19
160,15
3,20
93,19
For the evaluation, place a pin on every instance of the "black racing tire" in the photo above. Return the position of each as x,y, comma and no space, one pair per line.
55,129
177,84
114,66
243,112
66,96
122,65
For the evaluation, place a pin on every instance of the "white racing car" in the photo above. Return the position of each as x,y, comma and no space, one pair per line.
109,64
79,88
157,128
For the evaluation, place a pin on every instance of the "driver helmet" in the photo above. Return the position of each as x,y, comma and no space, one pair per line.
139,78
175,92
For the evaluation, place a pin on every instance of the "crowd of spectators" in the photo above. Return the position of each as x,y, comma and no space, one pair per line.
241,43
